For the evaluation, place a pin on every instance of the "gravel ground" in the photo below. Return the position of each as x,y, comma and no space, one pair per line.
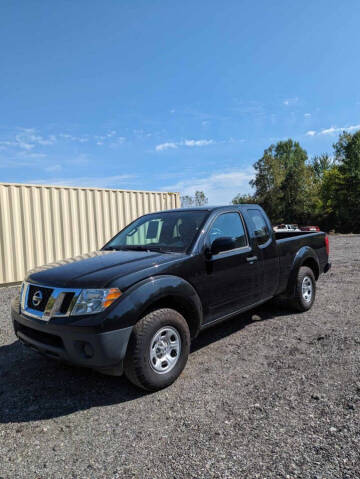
278,397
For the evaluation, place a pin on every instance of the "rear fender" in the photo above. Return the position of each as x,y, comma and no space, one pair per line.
304,255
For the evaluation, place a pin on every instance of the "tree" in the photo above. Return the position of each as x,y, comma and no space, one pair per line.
187,201
317,170
199,199
321,164
329,198
347,154
325,191
244,199
341,145
282,182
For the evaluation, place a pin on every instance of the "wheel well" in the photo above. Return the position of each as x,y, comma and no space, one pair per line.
312,264
185,308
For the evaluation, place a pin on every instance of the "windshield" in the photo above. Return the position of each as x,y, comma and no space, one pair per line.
163,231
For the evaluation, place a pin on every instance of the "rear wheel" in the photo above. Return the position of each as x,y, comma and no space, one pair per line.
305,290
158,349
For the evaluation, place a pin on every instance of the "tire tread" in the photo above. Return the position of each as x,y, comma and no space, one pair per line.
297,301
136,355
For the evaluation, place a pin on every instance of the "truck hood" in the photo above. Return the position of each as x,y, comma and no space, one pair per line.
100,268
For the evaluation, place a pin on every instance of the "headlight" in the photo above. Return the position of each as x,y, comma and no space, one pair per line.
93,301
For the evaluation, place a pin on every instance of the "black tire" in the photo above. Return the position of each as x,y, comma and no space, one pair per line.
303,302
138,368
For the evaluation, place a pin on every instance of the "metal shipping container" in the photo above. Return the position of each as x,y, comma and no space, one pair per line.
40,224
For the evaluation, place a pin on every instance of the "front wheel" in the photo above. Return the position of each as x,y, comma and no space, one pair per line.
305,289
158,349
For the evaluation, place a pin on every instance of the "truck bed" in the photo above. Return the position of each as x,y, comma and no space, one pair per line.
289,244
290,234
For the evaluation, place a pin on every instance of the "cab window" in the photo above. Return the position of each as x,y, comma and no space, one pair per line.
229,225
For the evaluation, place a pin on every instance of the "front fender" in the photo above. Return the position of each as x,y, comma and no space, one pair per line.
141,296
305,253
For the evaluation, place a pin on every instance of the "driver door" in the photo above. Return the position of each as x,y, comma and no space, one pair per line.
232,279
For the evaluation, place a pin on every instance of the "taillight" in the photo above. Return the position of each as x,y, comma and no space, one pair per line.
327,245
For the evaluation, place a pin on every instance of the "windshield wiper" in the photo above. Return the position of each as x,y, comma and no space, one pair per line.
149,248
136,248
159,249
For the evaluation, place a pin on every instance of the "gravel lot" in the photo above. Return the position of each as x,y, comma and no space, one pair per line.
278,397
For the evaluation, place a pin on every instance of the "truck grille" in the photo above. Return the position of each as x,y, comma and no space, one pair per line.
44,302
38,297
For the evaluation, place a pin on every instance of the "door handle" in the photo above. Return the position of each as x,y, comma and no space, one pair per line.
251,259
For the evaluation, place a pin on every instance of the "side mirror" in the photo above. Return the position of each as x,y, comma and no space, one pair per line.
225,243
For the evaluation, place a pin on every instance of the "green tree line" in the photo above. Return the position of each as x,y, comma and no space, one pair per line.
199,199
324,191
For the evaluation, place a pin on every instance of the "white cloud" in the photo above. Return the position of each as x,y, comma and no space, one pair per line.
165,146
29,154
79,139
110,136
27,139
50,140
5,143
86,181
220,188
23,142
290,101
307,115
192,143
117,141
188,143
234,140
333,129
328,131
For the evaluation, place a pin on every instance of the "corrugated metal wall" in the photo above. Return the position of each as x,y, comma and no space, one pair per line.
40,224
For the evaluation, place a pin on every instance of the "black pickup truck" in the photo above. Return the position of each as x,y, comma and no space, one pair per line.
136,304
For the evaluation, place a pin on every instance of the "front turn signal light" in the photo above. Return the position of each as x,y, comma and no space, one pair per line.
113,294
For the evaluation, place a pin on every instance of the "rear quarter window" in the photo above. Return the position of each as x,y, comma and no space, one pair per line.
259,226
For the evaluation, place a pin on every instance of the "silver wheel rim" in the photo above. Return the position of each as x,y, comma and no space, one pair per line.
307,289
165,349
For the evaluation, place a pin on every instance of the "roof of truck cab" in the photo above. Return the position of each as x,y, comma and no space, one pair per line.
211,208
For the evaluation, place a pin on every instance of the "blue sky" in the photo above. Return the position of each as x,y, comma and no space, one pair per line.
166,95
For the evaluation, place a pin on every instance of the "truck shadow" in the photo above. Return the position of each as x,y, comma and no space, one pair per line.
236,323
34,388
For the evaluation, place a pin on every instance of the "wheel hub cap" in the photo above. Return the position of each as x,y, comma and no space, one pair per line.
307,289
165,349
